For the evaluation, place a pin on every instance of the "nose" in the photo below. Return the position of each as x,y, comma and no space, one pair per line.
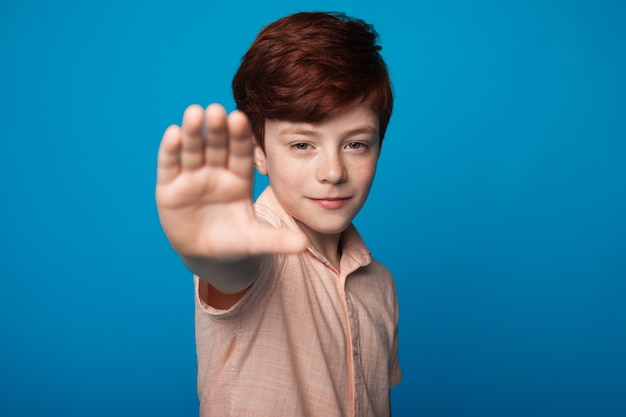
332,169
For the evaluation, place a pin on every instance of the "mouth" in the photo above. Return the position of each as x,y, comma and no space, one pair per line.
331,203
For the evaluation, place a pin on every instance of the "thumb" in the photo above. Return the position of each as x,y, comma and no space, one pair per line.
279,241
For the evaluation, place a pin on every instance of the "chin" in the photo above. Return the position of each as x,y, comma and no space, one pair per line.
330,230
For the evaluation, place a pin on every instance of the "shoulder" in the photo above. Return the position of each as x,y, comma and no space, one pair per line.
381,278
374,277
377,268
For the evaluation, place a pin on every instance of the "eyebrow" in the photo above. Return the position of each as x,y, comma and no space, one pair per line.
311,132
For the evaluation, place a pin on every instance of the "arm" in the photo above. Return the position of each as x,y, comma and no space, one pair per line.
204,200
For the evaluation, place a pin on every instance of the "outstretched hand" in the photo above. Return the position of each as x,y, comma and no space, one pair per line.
204,189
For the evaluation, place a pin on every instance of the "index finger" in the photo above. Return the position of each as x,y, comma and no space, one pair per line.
241,144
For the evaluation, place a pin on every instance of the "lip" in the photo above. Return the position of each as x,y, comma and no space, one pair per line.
331,203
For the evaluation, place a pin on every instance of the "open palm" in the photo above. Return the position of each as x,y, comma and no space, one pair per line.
204,189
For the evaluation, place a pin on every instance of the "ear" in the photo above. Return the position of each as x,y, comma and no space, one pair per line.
259,159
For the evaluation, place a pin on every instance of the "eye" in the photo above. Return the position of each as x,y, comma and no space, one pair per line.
355,145
301,146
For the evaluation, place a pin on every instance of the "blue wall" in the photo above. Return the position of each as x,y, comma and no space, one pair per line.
499,204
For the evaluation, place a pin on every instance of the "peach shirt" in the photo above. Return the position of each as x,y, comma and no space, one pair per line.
306,339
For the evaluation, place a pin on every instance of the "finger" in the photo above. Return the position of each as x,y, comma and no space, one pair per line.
240,157
168,160
279,241
216,150
192,154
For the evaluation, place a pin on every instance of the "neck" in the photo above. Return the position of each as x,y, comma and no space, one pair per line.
327,245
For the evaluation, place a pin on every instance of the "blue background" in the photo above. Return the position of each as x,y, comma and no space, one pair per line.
499,203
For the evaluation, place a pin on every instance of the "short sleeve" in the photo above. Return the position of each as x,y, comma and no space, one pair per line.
395,371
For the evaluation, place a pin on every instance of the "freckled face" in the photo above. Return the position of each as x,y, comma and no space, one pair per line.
321,173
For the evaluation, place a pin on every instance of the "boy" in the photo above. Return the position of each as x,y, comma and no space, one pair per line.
293,316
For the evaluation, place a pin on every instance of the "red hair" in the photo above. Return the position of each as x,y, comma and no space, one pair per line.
308,66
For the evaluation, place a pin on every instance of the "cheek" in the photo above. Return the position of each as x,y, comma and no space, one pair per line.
286,171
365,171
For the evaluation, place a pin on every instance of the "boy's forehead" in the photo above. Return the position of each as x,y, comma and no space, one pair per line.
360,118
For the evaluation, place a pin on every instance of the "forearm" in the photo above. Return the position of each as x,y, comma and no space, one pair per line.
227,276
